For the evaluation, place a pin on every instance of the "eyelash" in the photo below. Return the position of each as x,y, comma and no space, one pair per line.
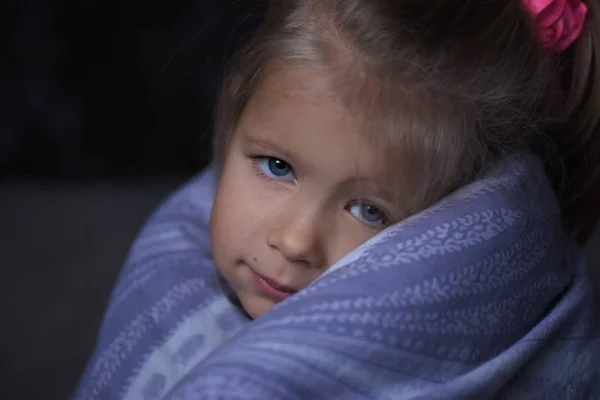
259,170
386,220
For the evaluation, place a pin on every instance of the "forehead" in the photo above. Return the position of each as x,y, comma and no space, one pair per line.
284,82
301,103
320,98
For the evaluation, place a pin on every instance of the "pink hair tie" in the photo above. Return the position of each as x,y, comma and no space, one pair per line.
559,22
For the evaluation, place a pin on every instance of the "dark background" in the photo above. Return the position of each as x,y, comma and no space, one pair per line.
105,108
112,89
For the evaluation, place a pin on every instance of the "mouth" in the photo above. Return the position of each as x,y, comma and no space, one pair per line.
271,288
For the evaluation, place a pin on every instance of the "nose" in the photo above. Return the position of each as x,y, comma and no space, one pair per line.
298,235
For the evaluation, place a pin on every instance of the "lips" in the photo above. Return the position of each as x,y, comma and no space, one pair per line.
277,286
272,288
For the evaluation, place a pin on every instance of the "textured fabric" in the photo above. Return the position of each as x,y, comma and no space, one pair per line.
483,295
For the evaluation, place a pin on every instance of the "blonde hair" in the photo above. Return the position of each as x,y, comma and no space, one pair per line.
460,84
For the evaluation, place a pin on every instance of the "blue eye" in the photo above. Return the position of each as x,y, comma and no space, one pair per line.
369,214
275,168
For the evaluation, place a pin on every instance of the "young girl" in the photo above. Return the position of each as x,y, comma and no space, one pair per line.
341,119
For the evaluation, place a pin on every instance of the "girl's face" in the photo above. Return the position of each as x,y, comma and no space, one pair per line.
301,187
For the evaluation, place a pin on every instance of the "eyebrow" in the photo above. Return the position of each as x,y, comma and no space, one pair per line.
268,144
371,183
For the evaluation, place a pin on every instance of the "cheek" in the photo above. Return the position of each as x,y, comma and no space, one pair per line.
237,216
348,237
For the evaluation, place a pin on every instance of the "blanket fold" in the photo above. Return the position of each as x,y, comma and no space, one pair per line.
484,295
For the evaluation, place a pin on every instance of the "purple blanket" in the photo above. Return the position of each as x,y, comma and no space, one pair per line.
484,295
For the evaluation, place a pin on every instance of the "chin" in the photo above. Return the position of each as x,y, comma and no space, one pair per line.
257,307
